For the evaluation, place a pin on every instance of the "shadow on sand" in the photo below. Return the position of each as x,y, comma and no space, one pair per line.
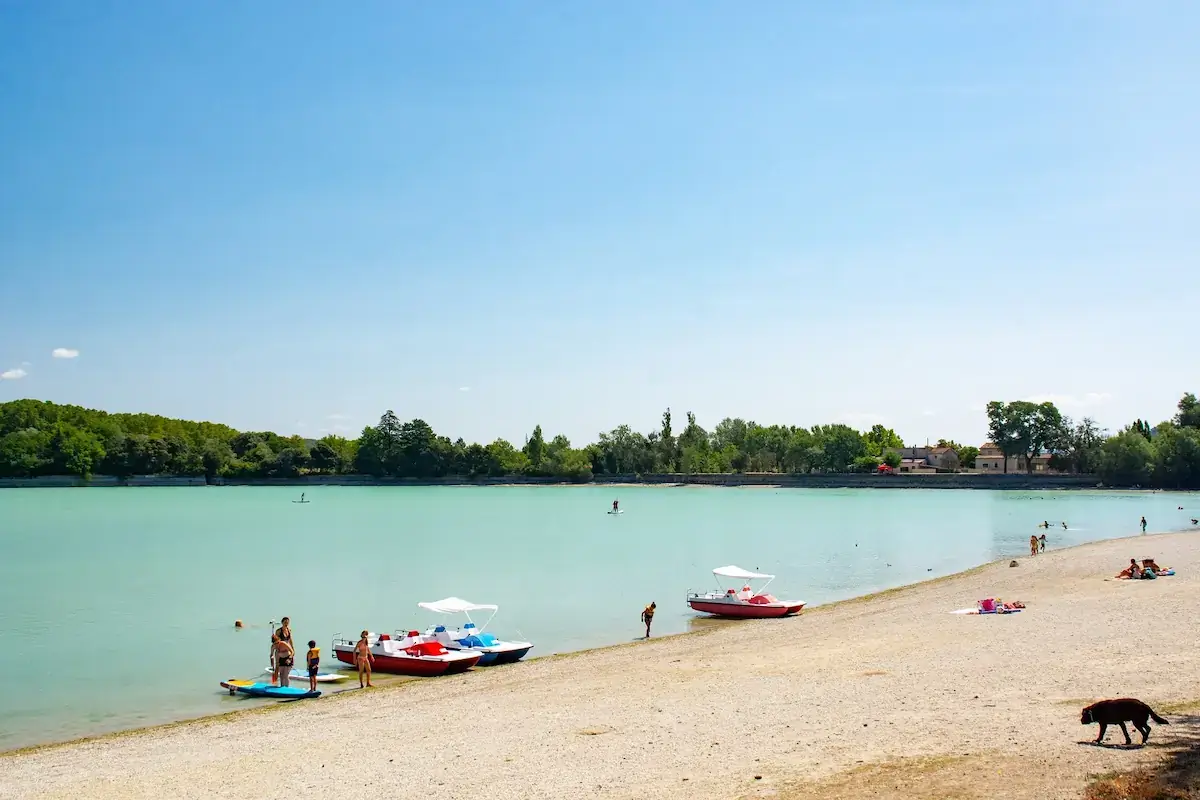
1175,776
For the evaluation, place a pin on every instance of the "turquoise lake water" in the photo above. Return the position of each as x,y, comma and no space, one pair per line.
117,605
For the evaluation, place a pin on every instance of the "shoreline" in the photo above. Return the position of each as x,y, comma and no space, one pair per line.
886,694
402,683
959,480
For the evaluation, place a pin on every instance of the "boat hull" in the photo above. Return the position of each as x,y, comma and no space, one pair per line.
417,666
744,610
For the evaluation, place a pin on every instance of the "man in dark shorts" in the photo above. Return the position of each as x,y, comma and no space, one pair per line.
284,658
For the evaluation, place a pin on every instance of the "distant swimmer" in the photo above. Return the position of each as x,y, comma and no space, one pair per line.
1195,521
1065,526
1044,524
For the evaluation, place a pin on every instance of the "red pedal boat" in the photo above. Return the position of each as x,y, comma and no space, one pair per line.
413,654
744,604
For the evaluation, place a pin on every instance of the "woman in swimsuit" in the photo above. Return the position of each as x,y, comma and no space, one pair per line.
363,660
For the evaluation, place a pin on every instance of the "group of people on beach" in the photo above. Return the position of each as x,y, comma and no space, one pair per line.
1147,570
283,656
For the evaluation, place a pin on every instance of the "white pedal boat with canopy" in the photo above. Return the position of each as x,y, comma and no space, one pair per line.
471,637
746,603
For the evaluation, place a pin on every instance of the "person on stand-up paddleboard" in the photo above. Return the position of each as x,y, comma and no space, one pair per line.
615,504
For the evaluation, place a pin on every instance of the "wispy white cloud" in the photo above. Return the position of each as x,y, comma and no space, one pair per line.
464,388
65,352
1067,401
14,374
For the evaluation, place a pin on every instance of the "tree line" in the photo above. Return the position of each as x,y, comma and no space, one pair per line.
1165,456
40,438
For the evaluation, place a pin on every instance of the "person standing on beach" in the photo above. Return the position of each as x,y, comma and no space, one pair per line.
1033,545
1143,524
313,659
363,660
284,634
648,617
1042,543
284,656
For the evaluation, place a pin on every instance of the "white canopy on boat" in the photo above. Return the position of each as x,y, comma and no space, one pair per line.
737,572
456,605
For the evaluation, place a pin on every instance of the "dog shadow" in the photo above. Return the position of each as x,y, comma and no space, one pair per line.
1177,772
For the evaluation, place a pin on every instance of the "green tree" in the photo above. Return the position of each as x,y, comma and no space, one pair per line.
967,456
1176,457
1189,412
1025,428
1081,447
892,458
78,451
840,444
1127,459
1003,430
535,449
879,439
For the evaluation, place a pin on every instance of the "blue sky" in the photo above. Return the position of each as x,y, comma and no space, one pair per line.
296,215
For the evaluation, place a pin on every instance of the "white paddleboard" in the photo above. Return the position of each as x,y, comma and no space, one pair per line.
622,511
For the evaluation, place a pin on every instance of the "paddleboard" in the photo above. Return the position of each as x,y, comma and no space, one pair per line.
257,689
322,677
622,511
301,501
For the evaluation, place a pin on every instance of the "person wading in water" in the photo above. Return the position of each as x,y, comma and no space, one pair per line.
648,617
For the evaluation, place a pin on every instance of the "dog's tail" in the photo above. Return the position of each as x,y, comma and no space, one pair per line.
1156,717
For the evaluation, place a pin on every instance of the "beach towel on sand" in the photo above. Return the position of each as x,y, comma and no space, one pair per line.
976,611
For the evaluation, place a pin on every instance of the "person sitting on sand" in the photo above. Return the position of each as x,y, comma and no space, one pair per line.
1132,571
1151,564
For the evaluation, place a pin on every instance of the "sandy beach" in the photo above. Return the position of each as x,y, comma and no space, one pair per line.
889,696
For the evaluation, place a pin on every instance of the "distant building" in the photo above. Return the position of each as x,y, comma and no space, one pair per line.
990,459
925,459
